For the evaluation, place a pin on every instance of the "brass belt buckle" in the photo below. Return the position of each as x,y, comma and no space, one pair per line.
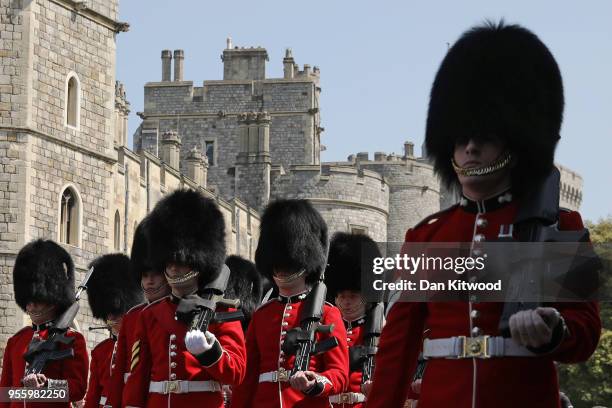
282,375
475,347
172,387
345,398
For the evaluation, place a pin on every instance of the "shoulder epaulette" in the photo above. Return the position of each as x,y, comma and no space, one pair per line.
430,219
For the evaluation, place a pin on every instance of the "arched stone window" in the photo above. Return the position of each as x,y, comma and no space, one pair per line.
73,100
117,231
70,217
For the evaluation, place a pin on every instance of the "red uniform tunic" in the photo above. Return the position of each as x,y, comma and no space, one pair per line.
468,383
265,335
73,370
354,337
123,347
159,355
99,374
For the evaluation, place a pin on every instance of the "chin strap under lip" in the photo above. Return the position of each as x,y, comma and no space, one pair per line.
502,162
290,278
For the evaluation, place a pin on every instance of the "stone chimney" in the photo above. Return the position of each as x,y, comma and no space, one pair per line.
288,64
380,156
179,57
166,56
408,149
171,148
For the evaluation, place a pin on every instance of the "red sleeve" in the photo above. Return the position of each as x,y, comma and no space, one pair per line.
397,355
136,388
94,389
582,318
120,368
243,394
229,364
75,369
335,360
6,378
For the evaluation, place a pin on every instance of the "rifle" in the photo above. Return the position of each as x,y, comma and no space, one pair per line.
362,356
301,340
40,352
372,330
199,310
537,221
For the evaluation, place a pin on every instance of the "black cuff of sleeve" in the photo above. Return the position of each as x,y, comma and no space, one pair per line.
211,356
560,332
315,389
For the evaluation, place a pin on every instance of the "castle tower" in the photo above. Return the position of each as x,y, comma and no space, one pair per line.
253,162
244,63
62,116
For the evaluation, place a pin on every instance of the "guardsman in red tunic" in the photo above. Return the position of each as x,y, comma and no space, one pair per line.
111,292
155,287
43,280
494,119
292,252
172,365
347,254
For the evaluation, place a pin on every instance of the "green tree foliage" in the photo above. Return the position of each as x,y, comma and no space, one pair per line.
590,384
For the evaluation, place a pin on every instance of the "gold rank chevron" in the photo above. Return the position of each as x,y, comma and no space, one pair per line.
135,355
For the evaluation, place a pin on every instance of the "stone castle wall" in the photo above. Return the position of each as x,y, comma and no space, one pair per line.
346,197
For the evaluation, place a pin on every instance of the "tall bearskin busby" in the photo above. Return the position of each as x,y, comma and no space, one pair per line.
349,256
188,229
293,236
244,284
44,272
111,290
497,81
140,260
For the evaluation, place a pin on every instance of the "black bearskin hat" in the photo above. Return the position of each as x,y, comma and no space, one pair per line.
111,289
187,228
293,236
244,284
140,260
349,254
44,272
497,81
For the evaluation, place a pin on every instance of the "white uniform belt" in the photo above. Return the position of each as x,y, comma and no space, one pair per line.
474,347
183,387
281,375
347,398
103,400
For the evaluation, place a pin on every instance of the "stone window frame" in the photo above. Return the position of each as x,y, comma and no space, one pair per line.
79,98
353,227
215,157
76,229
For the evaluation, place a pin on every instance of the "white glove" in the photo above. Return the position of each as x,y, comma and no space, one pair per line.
198,342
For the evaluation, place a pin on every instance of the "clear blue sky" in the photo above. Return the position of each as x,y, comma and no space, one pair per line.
378,60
